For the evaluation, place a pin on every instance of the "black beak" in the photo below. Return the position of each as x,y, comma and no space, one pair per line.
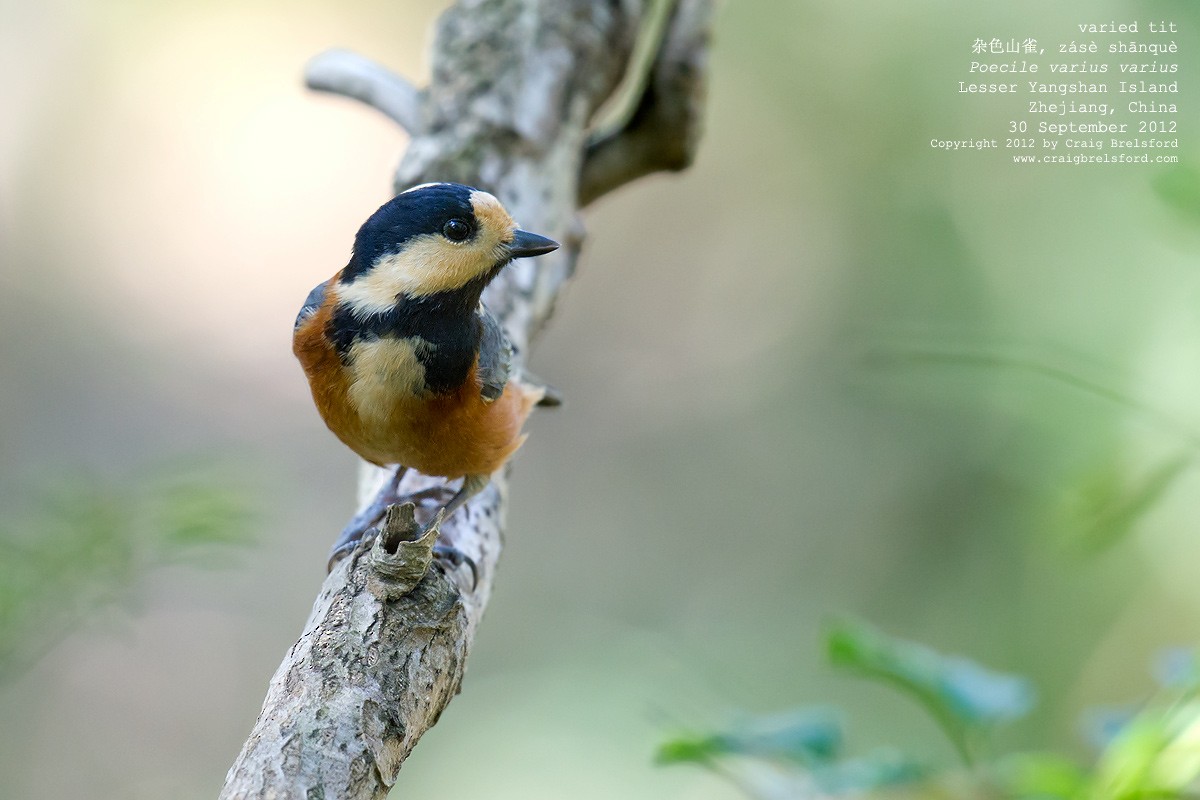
525,244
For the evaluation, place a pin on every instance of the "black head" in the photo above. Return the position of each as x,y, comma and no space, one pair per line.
433,238
422,210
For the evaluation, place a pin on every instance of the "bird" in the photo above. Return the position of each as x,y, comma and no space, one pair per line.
406,364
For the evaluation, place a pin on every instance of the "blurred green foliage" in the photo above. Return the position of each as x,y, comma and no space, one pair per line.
1179,187
1106,505
808,736
164,210
87,542
966,699
1151,752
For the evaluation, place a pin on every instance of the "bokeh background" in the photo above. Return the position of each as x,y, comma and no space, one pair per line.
826,371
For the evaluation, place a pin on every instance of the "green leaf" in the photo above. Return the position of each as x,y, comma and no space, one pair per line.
964,697
1041,776
1156,755
687,750
880,769
803,736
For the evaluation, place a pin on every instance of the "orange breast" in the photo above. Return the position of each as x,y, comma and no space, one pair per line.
447,435
459,434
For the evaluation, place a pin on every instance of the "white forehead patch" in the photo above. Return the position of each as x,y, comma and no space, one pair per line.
424,186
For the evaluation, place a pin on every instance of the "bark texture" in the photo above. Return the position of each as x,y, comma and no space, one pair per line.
515,87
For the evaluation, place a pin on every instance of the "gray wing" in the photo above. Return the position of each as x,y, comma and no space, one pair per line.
495,356
311,304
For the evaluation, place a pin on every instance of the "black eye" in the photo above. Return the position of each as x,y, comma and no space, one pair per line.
456,230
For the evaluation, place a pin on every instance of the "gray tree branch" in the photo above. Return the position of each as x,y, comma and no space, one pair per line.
515,86
351,75
663,131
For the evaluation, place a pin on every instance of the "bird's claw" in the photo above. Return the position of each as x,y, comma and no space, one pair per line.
451,555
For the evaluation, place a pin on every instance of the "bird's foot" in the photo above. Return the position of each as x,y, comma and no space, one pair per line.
370,517
366,519
428,493
449,554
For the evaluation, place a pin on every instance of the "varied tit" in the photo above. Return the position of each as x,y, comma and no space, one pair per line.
405,363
